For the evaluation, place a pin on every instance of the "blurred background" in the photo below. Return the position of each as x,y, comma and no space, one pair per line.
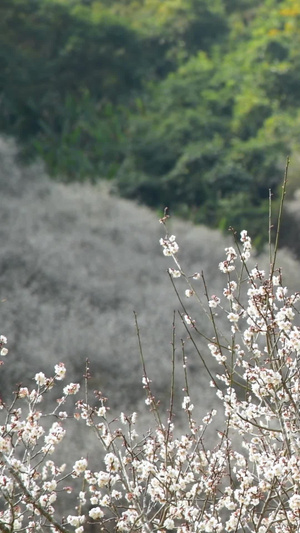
108,105
192,104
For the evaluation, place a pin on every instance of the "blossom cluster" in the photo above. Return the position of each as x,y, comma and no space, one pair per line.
3,349
259,389
169,244
29,479
169,479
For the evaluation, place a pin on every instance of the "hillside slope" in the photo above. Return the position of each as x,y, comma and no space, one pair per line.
74,264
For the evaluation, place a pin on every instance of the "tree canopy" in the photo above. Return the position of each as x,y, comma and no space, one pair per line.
192,104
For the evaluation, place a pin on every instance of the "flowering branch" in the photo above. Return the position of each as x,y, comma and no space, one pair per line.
168,478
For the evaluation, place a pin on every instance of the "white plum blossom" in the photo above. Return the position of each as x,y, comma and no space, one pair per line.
103,479
255,273
169,523
294,503
3,349
186,404
54,436
188,320
214,301
189,293
111,462
60,371
281,293
174,273
80,466
96,513
170,246
75,520
231,254
228,292
233,317
23,392
226,267
101,411
246,240
5,444
244,235
40,379
72,388
50,485
276,280
216,353
127,520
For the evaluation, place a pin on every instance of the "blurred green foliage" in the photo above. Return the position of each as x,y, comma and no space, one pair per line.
192,104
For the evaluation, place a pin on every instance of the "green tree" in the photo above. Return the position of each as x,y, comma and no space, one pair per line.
55,65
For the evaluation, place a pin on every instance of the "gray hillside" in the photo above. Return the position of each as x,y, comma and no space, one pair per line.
74,264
